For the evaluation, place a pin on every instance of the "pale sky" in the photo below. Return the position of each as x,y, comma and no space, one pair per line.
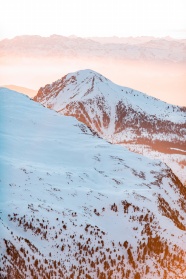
87,18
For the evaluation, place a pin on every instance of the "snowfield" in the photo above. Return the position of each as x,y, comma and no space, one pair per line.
177,162
73,205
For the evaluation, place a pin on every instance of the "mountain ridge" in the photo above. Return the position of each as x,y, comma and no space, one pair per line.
119,114
74,206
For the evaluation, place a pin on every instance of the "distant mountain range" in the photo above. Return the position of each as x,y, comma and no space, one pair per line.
73,205
134,40
140,48
120,115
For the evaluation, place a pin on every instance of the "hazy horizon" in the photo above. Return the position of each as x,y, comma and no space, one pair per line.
107,22
156,67
165,36
156,86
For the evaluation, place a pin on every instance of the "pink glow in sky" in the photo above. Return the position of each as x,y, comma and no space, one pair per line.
104,18
166,81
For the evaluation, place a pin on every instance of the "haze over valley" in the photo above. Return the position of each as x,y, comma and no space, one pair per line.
156,66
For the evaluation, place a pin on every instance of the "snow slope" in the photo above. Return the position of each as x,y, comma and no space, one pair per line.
75,206
118,114
177,162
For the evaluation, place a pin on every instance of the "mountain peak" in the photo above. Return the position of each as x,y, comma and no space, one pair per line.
119,114
87,73
81,83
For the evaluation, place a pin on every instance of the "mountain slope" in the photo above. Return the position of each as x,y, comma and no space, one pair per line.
119,114
74,206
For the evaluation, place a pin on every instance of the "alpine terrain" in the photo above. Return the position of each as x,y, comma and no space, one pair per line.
121,115
73,205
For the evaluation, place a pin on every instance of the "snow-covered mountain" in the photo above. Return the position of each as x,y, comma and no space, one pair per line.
120,115
73,205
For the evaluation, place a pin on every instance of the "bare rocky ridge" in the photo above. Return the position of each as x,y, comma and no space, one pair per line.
119,114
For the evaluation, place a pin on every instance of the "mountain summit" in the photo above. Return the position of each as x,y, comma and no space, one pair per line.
115,112
120,114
